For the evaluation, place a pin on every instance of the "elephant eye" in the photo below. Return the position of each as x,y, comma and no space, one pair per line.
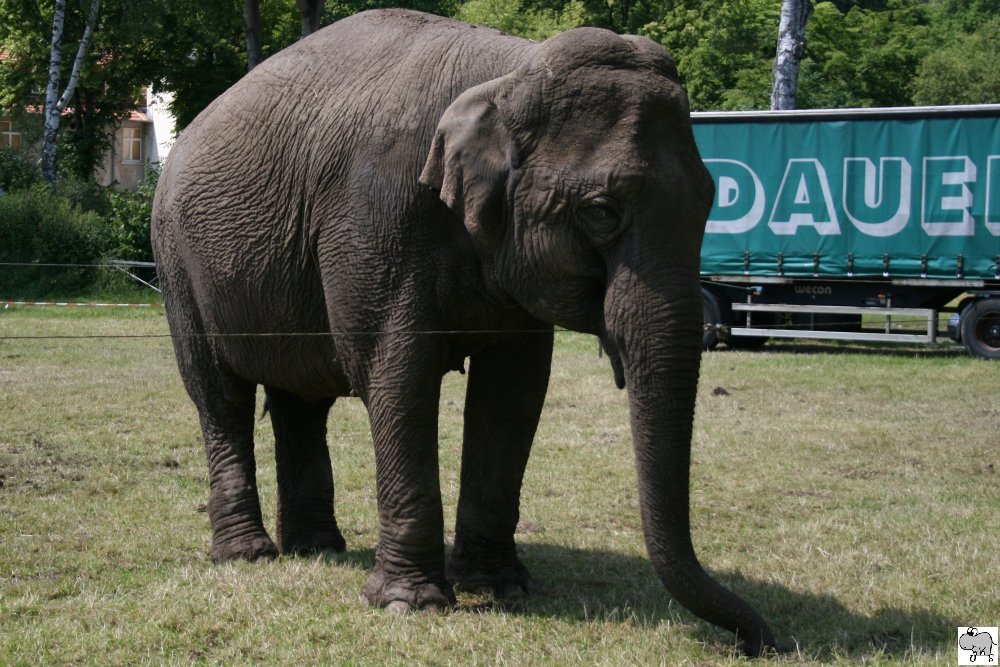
604,212
600,219
600,211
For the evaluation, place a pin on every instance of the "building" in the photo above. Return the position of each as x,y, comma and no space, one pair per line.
141,140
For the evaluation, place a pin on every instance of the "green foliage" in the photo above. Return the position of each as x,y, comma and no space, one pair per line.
521,18
858,52
84,194
863,58
334,10
81,223
36,227
125,55
963,70
965,15
18,171
724,50
126,228
206,53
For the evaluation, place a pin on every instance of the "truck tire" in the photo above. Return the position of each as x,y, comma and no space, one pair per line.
712,315
981,328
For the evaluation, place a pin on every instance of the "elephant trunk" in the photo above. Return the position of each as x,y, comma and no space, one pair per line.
653,336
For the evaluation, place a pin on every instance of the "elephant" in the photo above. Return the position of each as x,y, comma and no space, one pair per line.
977,642
400,193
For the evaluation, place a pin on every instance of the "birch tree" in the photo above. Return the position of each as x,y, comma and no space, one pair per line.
791,46
55,103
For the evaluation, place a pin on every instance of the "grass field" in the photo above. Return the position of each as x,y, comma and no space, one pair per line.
851,493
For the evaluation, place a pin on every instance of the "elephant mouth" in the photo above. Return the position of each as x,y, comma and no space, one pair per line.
611,349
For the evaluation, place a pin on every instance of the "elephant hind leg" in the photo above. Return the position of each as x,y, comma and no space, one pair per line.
225,406
306,520
226,409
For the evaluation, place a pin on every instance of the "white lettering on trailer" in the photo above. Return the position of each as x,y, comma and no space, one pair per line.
812,203
993,195
739,193
950,214
803,200
880,196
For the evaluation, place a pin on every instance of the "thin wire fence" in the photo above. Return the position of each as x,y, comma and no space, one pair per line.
132,268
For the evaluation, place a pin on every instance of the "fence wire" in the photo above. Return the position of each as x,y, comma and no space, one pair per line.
124,266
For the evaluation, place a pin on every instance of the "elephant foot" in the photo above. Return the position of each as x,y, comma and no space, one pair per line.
253,548
403,595
501,574
328,539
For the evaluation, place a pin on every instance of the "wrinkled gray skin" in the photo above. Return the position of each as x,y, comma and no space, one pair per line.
398,174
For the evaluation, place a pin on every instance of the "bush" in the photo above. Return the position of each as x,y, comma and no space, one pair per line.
81,223
37,228
84,195
18,171
126,228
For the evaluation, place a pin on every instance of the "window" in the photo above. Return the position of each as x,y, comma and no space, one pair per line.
8,137
132,144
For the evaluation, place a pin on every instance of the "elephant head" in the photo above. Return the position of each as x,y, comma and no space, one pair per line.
578,179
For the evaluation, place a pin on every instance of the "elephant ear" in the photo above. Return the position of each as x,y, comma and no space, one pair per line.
470,160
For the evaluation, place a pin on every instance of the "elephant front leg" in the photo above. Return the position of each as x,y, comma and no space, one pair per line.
306,521
409,560
506,392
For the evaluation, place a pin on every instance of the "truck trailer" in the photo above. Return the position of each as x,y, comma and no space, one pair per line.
853,224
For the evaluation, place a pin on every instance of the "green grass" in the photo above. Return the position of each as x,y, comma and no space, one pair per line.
849,492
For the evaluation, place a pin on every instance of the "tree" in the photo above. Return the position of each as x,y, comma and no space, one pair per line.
791,46
252,29
864,58
126,52
311,12
204,54
54,103
724,50
962,69
518,18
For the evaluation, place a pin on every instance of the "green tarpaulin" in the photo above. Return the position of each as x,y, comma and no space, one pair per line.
905,197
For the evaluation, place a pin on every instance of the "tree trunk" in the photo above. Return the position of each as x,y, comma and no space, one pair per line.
251,26
55,104
311,12
791,46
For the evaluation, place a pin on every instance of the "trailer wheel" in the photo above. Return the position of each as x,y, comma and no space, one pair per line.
981,328
712,315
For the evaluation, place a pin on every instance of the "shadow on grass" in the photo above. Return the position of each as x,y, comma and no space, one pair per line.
601,586
356,559
589,585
